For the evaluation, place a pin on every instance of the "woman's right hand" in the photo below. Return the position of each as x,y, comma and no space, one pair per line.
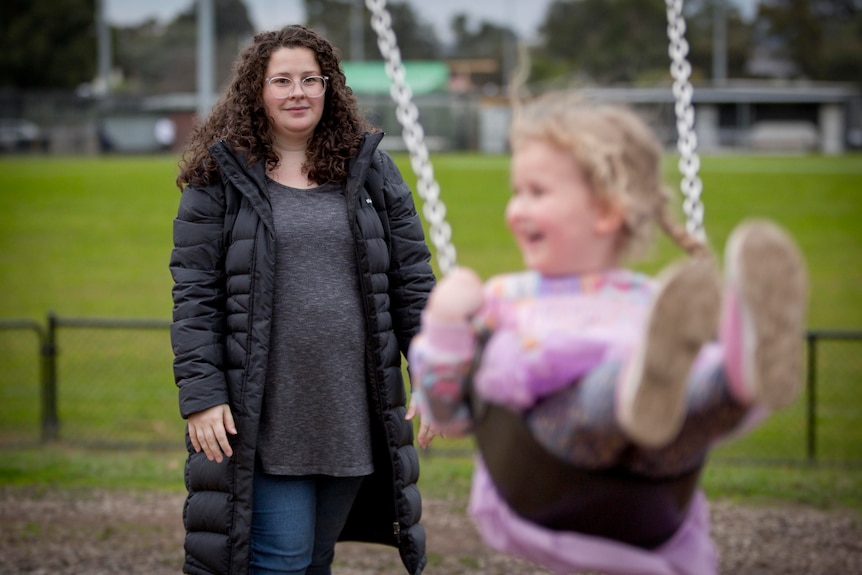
208,431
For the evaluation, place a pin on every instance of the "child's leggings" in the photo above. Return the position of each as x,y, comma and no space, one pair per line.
578,424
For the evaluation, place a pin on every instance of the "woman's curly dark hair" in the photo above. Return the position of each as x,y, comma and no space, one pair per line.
241,120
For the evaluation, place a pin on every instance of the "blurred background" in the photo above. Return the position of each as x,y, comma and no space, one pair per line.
115,76
97,98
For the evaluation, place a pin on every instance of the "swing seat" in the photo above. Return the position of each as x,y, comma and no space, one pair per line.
543,489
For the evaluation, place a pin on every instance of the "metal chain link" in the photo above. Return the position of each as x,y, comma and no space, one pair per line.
689,161
433,209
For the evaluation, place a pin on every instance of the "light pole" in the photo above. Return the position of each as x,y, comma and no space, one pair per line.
206,56
103,85
357,30
719,42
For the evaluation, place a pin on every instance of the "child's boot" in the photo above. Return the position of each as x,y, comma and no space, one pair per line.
763,315
651,395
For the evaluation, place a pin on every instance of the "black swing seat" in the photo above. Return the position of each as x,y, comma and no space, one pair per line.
545,490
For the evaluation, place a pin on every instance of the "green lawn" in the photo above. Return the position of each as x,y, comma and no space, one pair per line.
86,236
91,237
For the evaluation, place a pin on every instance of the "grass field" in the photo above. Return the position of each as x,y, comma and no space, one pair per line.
91,237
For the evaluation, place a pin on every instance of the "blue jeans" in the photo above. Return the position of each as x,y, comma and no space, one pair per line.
296,522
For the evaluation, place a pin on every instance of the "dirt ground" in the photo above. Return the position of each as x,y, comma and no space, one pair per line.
53,533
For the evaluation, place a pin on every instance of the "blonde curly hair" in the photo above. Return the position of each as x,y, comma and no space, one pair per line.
619,155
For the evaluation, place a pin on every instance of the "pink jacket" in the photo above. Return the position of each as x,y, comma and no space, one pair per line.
547,332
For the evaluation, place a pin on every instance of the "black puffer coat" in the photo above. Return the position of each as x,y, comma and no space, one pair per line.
223,268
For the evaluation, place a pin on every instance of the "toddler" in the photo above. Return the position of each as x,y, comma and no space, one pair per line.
626,380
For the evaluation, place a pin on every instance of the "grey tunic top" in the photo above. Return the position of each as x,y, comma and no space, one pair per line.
315,417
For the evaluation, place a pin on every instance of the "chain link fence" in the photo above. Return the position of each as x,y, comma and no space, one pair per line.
834,412
109,383
88,381
21,370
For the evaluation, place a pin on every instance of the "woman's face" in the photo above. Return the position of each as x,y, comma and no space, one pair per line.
295,117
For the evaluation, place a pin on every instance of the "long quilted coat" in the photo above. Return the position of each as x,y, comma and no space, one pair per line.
223,269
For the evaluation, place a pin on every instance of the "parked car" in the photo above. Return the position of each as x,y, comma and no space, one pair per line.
18,135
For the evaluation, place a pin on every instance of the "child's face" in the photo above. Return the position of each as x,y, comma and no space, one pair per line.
558,226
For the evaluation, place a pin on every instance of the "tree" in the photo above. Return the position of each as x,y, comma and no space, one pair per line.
332,18
47,44
485,41
700,19
604,41
160,59
822,37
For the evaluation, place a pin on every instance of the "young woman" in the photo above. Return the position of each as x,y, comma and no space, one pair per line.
300,270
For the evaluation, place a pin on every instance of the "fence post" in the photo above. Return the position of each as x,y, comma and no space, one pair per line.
50,421
812,397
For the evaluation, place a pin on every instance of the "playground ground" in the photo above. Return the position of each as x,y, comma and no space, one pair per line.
141,533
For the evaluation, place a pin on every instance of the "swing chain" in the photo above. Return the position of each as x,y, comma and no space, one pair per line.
689,161
434,210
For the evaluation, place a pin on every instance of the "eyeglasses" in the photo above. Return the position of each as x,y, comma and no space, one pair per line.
282,86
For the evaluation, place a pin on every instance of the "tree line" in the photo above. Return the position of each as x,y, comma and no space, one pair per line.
51,44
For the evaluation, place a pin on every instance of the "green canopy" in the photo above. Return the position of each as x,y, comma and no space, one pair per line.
422,76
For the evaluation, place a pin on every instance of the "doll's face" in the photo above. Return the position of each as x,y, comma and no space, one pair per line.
295,117
558,225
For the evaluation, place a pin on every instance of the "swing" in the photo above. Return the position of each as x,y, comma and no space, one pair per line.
541,488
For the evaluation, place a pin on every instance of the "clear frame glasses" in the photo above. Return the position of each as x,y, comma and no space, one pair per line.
311,86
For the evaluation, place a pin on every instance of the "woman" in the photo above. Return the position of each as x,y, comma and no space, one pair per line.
300,270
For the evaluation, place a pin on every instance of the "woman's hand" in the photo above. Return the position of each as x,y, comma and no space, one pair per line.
456,297
208,431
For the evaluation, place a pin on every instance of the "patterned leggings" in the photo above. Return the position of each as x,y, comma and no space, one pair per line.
578,424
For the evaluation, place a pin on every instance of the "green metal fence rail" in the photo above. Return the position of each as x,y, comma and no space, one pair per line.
814,338
49,352
825,365
47,381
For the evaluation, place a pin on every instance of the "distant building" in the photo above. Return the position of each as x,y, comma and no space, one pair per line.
743,115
